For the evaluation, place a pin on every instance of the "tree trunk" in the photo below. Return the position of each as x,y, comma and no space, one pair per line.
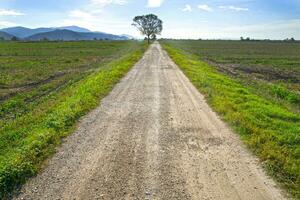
148,39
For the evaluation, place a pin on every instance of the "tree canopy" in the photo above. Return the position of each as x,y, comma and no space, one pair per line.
149,25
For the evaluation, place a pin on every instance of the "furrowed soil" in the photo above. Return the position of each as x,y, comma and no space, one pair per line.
153,137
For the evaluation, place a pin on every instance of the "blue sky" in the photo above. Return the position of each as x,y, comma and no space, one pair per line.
274,19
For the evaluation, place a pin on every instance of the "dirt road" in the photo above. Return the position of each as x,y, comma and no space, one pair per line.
154,137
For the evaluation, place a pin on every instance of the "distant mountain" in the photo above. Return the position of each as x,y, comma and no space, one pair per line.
102,36
75,29
56,35
67,35
5,36
60,33
128,36
22,32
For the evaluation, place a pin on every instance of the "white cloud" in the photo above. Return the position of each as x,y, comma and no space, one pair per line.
6,12
94,16
103,3
92,11
154,3
234,8
80,14
4,24
205,8
95,7
187,8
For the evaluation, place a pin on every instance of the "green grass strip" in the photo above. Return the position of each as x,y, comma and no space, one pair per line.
27,141
271,131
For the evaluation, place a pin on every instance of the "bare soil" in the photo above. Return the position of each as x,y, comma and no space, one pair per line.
154,137
262,72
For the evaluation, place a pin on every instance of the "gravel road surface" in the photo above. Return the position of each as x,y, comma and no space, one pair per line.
154,137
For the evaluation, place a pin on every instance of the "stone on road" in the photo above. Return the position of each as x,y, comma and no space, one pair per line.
153,137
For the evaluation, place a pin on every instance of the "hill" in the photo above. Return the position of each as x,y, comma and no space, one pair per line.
61,33
75,29
23,32
67,35
56,35
5,36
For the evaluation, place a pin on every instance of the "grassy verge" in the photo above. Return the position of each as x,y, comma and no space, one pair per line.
271,131
30,71
28,140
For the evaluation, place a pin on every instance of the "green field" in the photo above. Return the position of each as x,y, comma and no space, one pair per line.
255,87
30,71
45,87
271,68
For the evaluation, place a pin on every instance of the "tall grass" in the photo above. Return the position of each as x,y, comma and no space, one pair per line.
271,131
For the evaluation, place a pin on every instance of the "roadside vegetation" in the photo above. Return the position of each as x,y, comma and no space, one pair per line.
272,69
45,87
254,86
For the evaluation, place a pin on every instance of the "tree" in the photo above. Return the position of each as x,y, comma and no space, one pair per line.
153,37
289,40
149,25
